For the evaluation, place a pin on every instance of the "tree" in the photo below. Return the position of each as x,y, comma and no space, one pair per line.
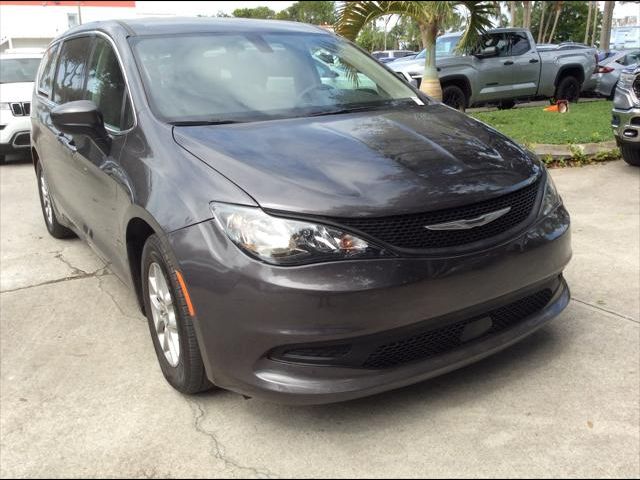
605,31
571,24
541,27
257,12
315,12
586,31
526,17
430,16
512,14
558,9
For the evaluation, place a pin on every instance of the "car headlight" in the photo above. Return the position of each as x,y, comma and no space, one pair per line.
551,199
4,106
282,241
626,80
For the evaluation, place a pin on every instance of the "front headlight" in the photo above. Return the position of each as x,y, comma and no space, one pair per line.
551,199
282,241
4,106
626,80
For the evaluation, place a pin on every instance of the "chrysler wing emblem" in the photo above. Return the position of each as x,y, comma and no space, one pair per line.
467,223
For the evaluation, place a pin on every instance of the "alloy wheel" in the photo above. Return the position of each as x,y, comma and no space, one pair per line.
46,199
164,314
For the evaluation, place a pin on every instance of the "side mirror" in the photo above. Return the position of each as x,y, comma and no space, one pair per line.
81,117
487,52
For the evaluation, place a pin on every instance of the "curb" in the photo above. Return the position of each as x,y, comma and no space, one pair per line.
564,152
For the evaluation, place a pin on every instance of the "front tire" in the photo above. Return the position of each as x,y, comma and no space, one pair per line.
170,324
631,154
454,97
55,228
568,89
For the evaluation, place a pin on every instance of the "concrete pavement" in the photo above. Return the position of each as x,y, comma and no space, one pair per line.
81,394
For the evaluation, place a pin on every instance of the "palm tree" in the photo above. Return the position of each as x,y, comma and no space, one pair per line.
586,32
431,17
558,9
541,26
526,15
607,20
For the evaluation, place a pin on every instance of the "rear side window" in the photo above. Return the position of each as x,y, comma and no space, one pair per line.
519,44
48,68
106,86
72,69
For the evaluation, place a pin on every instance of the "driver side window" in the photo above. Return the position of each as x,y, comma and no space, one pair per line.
498,40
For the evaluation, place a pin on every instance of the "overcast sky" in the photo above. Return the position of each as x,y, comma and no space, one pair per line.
211,8
202,8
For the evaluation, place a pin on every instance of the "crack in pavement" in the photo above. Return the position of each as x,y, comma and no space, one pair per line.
218,451
101,272
597,307
113,300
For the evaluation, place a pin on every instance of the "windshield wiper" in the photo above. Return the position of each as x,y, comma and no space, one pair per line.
363,108
192,123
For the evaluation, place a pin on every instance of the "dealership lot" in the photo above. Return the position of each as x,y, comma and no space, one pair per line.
82,394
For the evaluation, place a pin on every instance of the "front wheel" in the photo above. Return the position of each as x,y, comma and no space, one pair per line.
568,89
170,323
454,97
631,154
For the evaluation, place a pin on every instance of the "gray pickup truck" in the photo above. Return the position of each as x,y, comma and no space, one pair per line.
507,66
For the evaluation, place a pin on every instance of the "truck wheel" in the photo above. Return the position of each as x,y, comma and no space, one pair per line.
631,154
170,323
454,97
568,89
506,105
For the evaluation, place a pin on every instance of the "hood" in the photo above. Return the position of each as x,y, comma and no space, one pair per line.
16,92
364,164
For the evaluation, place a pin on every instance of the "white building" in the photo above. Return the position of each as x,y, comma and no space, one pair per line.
33,24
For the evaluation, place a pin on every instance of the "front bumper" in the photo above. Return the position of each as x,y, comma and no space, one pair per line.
626,125
14,133
245,310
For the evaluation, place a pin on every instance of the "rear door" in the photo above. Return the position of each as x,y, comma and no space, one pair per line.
526,65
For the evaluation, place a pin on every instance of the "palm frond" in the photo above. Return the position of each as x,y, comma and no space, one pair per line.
479,21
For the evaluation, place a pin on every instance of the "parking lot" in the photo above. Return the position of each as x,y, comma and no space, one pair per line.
82,394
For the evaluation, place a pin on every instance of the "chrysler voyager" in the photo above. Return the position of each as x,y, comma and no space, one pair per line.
296,221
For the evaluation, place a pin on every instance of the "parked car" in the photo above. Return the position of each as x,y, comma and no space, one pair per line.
506,67
608,71
17,74
286,238
625,119
386,56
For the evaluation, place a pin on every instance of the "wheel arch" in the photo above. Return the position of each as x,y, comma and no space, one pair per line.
459,81
574,70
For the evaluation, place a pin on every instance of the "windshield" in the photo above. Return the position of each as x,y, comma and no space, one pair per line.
246,77
14,70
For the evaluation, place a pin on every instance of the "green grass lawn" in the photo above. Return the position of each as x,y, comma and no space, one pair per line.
585,122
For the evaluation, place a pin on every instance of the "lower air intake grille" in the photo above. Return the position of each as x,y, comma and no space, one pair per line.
447,338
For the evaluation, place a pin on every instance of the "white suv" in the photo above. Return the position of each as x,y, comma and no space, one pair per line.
17,75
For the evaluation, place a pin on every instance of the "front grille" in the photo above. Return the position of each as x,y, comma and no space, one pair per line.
409,232
448,338
20,109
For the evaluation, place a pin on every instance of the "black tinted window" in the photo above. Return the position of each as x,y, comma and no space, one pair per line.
519,44
106,85
69,83
48,69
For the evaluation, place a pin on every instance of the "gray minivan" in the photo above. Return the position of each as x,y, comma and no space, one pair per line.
289,236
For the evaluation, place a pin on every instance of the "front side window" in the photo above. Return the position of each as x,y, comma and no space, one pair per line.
72,68
238,77
519,44
498,40
106,86
16,70
48,68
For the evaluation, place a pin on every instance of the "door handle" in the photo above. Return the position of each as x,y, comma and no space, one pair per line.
534,60
508,62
